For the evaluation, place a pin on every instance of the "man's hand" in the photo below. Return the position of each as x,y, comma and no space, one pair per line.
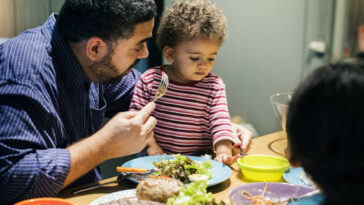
127,132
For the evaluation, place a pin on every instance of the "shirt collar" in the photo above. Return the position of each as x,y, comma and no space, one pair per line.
70,68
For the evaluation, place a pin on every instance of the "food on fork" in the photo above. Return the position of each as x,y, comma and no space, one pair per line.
158,189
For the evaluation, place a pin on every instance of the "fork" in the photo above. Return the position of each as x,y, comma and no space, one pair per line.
163,86
118,180
294,199
308,194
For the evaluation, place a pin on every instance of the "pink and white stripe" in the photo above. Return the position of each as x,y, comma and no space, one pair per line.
191,117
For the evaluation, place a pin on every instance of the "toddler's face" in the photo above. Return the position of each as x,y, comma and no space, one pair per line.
193,59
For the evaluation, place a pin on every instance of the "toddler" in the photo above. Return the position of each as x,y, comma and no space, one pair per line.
193,117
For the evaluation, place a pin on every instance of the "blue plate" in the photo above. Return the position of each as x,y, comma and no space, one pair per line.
220,172
293,176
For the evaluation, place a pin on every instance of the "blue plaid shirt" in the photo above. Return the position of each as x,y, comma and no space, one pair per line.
46,104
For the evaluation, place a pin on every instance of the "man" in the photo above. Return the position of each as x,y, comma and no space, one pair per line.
57,82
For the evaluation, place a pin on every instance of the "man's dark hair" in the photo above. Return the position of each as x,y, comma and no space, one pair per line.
111,20
325,129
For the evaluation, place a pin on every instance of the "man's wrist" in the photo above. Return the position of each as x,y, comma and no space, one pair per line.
98,144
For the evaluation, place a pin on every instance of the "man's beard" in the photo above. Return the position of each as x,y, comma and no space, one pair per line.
106,72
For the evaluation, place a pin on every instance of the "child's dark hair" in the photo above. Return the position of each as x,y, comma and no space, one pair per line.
325,129
190,19
111,20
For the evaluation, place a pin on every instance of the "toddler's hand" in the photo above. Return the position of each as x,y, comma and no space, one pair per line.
242,137
226,159
155,150
237,149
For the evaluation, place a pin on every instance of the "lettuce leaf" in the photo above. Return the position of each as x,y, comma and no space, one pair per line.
193,194
181,167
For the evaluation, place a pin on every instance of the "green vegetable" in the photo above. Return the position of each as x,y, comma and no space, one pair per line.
194,194
181,167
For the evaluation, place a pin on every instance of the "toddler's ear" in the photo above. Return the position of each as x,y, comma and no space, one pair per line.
295,163
168,54
292,159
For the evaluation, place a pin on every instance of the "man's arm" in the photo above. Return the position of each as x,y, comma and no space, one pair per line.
126,133
30,163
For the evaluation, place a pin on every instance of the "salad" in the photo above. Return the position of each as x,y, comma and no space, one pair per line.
182,167
194,194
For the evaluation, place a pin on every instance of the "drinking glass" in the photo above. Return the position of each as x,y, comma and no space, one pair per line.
280,102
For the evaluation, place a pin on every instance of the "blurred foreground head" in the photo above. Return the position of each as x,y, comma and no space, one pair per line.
325,129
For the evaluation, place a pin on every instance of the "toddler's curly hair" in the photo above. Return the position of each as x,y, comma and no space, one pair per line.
191,19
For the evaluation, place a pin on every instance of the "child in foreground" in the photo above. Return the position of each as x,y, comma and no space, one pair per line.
326,134
193,117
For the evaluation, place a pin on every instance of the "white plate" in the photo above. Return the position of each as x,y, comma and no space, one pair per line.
129,194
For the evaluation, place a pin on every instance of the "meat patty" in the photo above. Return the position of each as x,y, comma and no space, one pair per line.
158,189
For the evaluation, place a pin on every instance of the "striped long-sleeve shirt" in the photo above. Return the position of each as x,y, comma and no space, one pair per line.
191,118
46,104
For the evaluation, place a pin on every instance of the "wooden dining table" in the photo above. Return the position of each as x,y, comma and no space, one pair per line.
271,144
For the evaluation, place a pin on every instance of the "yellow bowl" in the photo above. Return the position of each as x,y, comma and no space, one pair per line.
263,167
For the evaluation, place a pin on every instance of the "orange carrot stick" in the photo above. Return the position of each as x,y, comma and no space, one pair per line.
130,169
